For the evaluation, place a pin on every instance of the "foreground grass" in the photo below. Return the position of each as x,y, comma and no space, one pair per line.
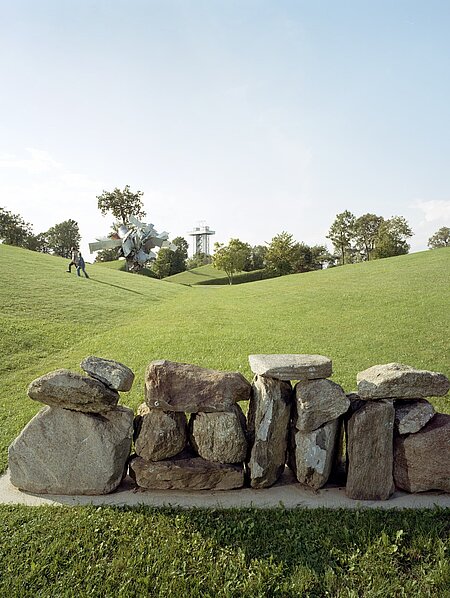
56,551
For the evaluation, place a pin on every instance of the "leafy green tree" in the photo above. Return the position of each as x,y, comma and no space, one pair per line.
366,230
282,254
301,258
121,204
341,234
392,238
320,256
231,258
257,259
13,229
197,260
62,237
107,255
170,262
38,243
441,238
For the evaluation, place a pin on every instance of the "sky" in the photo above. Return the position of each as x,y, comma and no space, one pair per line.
253,116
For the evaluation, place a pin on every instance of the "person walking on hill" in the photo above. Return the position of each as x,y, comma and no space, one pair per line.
74,257
81,266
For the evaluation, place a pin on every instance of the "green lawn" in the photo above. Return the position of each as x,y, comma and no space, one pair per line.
396,309
206,275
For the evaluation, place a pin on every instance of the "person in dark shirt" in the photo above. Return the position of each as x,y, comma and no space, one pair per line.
81,266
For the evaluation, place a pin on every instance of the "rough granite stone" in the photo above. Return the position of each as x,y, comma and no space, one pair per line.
370,452
159,434
311,454
172,386
67,452
422,460
268,428
412,416
185,472
219,437
317,402
291,366
398,381
112,373
63,388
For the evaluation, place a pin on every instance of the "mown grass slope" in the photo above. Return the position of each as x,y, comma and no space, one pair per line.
389,310
206,275
395,309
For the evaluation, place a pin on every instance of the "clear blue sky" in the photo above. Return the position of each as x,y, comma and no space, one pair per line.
256,116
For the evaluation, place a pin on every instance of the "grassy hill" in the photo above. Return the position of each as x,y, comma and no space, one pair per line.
209,275
395,309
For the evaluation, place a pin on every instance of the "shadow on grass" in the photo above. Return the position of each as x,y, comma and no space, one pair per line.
117,286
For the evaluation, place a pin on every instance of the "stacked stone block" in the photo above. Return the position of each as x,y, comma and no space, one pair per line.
303,422
79,443
213,458
394,439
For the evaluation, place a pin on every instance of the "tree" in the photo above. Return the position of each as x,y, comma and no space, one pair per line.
366,231
121,204
37,243
320,256
342,233
13,229
257,259
282,254
441,238
301,258
107,255
62,237
231,258
170,262
197,260
392,238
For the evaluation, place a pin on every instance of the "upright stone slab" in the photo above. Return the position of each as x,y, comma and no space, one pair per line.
311,454
317,402
412,416
67,452
268,427
291,366
186,472
68,390
422,460
114,374
172,386
370,452
158,434
219,437
395,380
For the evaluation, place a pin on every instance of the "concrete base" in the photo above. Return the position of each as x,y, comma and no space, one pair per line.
286,493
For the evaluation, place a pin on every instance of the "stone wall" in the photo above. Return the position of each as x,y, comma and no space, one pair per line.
192,434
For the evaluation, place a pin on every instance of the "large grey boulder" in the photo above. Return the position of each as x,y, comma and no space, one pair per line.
317,402
219,437
395,380
186,472
65,452
158,434
370,452
63,388
412,416
114,374
291,366
172,386
268,428
311,454
422,460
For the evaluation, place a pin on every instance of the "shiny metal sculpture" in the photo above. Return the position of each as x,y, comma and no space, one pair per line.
136,241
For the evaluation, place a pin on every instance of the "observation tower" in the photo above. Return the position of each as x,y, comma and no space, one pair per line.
201,234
